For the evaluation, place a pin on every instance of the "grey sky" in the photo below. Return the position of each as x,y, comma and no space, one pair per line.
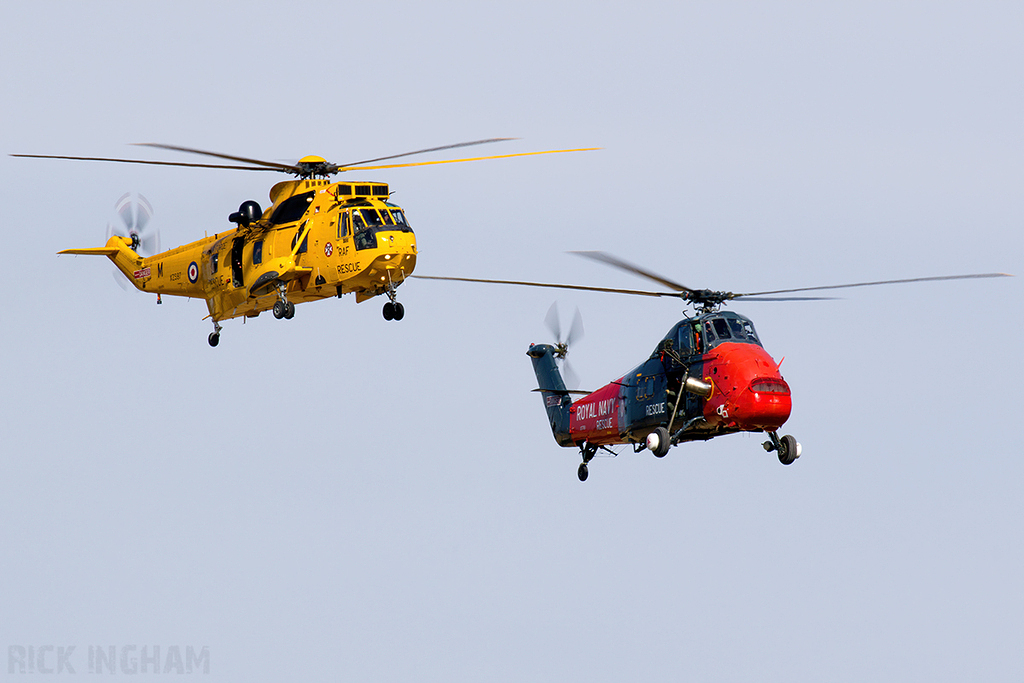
337,497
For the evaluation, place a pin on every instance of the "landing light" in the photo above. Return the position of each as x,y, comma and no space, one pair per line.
769,386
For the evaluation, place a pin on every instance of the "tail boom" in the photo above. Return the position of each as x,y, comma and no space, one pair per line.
552,389
174,272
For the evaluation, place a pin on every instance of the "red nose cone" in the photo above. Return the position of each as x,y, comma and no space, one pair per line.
758,408
749,393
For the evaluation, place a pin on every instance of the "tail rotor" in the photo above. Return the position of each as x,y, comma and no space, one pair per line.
133,214
132,222
562,344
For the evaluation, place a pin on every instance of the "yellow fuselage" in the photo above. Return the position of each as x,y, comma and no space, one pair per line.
318,240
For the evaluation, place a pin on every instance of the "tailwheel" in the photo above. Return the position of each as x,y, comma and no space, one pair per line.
214,337
289,310
399,311
280,309
588,451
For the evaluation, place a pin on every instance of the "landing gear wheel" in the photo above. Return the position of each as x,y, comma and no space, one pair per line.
289,311
280,309
214,339
658,442
389,311
583,472
399,311
789,450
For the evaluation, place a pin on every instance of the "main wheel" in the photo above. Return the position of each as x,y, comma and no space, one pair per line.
214,339
583,472
658,442
399,311
389,311
280,309
790,450
289,310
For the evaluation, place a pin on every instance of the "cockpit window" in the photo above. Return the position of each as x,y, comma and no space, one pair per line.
365,223
370,217
729,327
743,329
684,339
399,216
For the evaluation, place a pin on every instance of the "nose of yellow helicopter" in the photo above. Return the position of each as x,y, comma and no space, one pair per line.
396,259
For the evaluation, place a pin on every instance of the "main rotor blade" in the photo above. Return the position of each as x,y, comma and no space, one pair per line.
976,276
276,165
613,290
457,161
144,161
789,298
424,151
615,261
581,392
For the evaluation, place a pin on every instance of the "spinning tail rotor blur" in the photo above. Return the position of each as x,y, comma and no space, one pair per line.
132,221
575,334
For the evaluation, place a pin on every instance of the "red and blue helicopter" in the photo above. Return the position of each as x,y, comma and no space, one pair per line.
709,376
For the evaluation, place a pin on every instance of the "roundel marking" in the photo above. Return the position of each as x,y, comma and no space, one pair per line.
328,249
193,272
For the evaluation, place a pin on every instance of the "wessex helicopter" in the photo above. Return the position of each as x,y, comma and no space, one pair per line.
709,376
318,239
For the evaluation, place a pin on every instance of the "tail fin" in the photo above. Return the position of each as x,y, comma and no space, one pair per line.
552,389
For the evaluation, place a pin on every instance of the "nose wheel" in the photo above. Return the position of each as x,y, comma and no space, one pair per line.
393,311
788,448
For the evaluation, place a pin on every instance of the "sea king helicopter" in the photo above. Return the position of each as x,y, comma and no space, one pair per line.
709,376
318,239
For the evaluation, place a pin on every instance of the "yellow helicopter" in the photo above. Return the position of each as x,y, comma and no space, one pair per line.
318,239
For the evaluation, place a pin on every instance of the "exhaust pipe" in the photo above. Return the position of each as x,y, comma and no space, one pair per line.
698,387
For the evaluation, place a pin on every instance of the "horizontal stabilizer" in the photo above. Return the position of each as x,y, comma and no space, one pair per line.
96,251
